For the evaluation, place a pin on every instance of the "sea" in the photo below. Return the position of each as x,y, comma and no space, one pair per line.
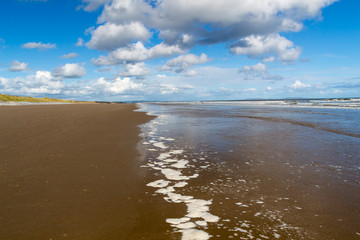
280,169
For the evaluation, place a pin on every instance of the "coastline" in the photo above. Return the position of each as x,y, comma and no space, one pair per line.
69,171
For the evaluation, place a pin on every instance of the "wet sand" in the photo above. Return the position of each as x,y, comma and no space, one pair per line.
255,173
69,171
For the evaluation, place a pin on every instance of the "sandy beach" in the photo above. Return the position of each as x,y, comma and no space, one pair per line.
68,171
193,172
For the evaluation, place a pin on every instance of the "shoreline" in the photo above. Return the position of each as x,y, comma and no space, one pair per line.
69,171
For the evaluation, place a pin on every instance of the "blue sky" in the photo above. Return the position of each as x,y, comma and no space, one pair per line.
125,50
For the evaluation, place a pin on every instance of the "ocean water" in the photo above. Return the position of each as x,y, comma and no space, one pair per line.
255,169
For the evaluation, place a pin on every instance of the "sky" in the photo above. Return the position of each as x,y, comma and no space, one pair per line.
180,50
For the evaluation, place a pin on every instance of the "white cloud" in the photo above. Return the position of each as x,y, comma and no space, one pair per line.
125,88
111,36
137,52
17,66
117,86
135,70
69,56
268,59
299,85
260,67
43,82
169,90
38,45
126,11
164,50
161,76
70,70
183,62
191,73
263,46
80,42
257,72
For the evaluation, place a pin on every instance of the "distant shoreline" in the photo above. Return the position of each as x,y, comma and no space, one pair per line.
256,100
20,100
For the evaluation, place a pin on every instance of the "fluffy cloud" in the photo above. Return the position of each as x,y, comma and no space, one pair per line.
248,27
161,76
299,85
210,21
137,52
127,10
43,82
257,72
127,88
260,67
111,36
70,70
135,70
183,62
191,73
69,56
17,66
38,45
80,42
264,46
117,86
268,59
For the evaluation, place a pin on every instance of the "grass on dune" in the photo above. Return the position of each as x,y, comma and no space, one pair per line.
10,98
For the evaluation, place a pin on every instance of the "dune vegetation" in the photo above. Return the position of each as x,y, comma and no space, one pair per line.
11,98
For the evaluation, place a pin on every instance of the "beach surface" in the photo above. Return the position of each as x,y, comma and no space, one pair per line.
196,171
69,171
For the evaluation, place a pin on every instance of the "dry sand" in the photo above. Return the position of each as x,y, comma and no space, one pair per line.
69,171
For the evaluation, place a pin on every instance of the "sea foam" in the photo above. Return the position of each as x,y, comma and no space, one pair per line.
170,165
